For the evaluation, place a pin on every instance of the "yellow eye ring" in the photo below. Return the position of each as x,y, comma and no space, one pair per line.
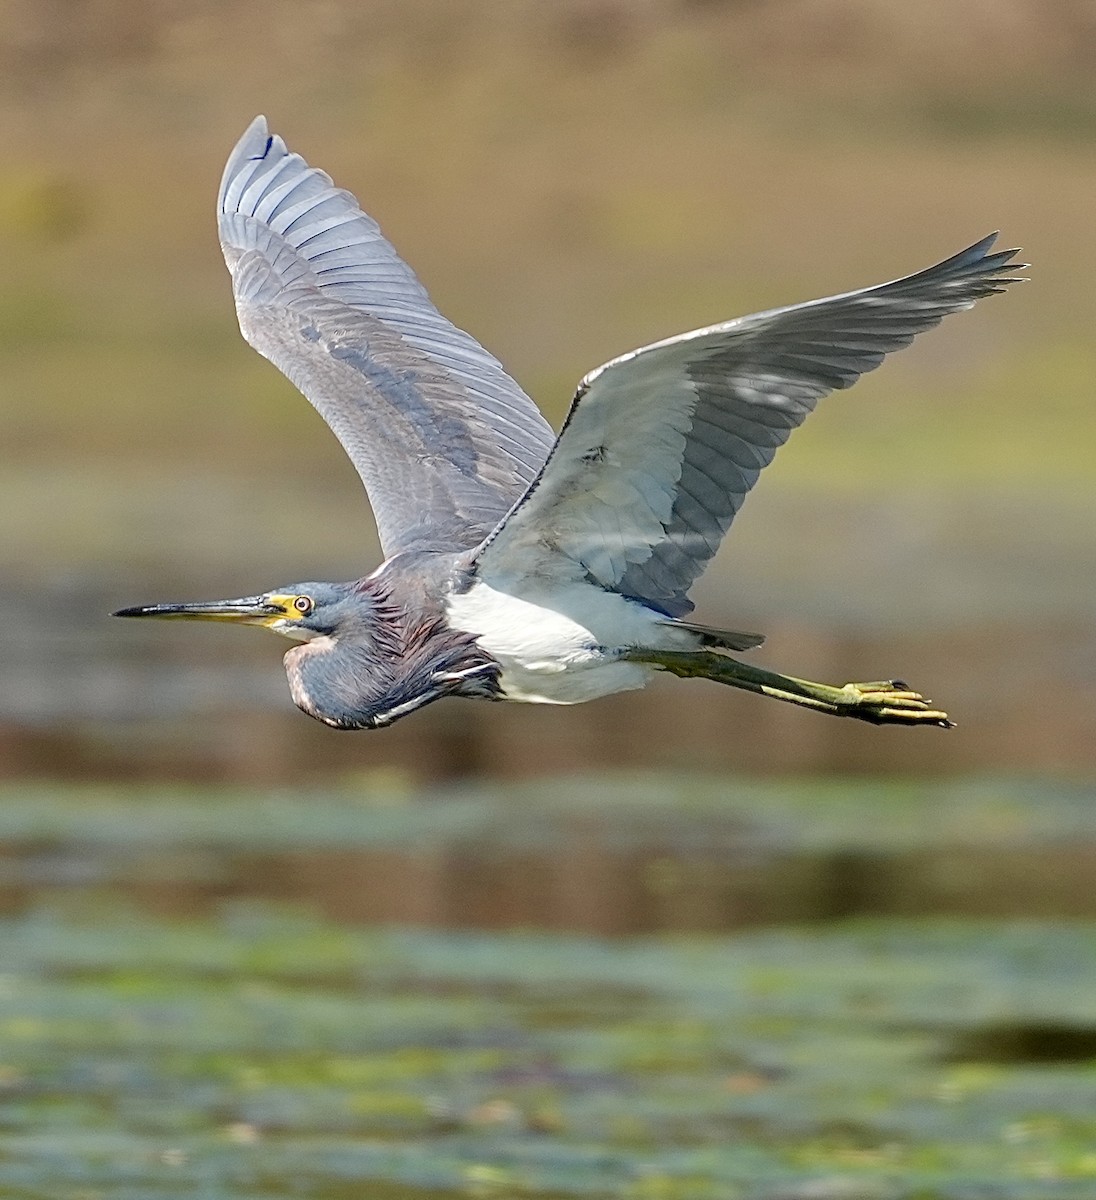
303,605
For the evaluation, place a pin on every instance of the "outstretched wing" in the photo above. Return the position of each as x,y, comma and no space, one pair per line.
661,445
443,439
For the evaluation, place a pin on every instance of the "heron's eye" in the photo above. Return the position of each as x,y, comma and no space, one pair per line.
304,605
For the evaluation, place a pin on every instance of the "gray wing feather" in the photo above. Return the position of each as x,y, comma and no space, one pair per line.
443,439
692,421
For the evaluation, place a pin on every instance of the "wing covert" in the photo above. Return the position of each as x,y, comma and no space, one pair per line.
443,439
662,444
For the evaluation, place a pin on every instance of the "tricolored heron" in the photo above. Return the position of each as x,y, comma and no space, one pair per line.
521,565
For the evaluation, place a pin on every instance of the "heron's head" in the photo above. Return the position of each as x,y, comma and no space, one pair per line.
364,661
300,611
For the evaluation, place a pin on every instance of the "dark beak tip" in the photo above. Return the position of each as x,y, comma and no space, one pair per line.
251,607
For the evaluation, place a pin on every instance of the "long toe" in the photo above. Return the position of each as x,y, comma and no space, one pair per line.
892,703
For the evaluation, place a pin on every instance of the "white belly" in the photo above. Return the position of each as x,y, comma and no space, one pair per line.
561,648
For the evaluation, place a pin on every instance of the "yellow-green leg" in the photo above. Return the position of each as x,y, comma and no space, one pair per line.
887,702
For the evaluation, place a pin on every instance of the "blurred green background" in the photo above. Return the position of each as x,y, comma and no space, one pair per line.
780,956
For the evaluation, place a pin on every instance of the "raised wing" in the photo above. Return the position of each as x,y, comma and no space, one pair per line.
662,445
443,439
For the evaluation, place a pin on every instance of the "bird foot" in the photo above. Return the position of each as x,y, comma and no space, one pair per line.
888,702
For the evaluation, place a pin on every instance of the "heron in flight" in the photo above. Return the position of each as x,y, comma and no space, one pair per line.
522,565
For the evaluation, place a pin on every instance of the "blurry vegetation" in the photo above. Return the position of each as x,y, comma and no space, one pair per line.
570,180
42,208
179,1016
615,854
268,1053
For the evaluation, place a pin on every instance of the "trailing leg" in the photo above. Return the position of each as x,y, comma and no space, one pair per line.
887,702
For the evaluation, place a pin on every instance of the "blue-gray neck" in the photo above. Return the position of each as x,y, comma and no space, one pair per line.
379,663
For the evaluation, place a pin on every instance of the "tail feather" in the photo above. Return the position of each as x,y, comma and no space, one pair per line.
726,639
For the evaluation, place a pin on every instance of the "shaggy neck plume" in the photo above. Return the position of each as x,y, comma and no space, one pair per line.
372,676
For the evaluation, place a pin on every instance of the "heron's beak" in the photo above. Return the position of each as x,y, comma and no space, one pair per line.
249,610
